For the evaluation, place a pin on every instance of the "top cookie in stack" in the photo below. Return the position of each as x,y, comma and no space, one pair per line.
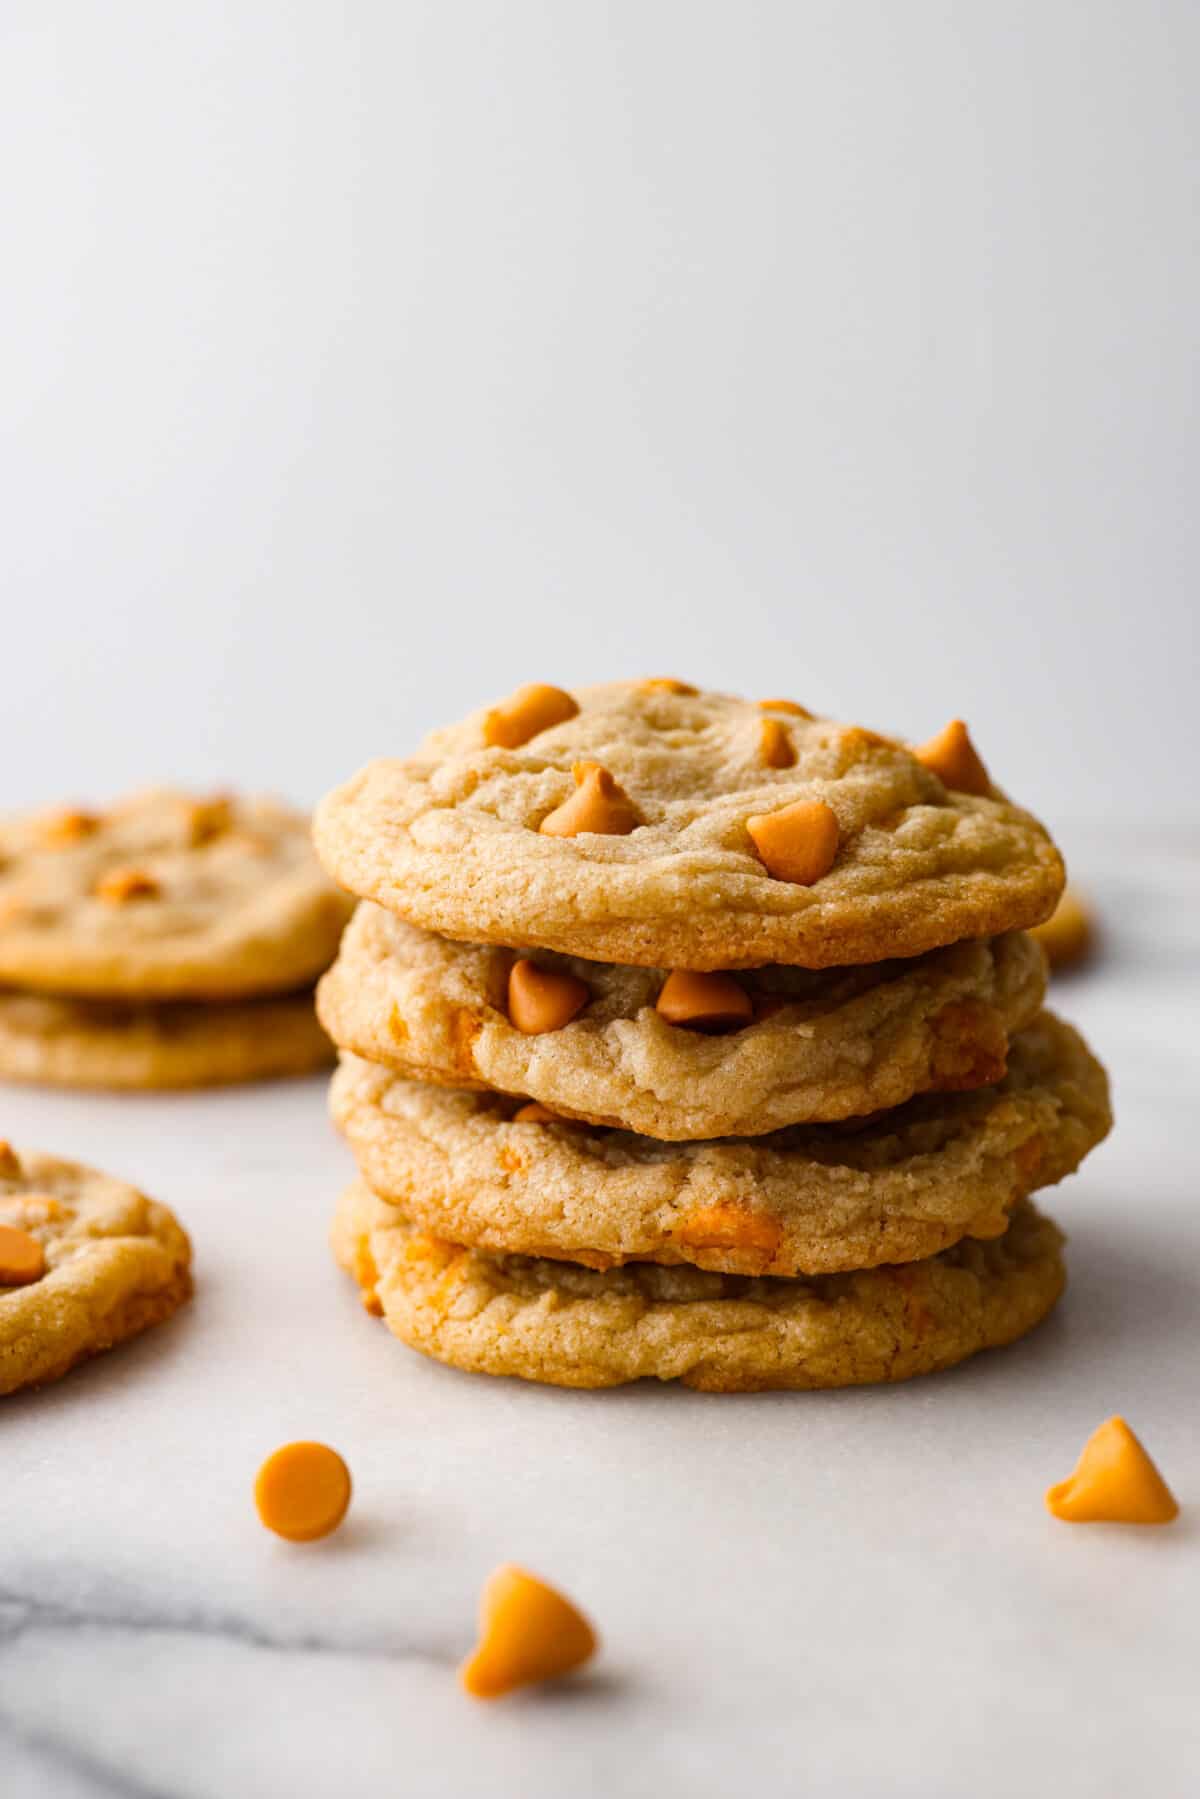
170,940
743,923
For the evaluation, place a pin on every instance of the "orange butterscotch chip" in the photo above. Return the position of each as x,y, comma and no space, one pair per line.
1114,1482
121,884
209,818
666,684
69,825
525,713
10,1162
302,1491
22,1258
952,757
534,1112
543,999
704,1002
775,746
527,1632
598,804
786,706
799,843
731,1227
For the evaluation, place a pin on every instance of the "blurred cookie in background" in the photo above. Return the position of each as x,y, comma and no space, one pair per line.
172,940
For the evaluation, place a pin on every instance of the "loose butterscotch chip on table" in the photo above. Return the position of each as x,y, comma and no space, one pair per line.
1115,1482
528,1632
302,1491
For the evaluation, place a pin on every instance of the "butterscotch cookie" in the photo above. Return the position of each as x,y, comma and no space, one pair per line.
811,1199
645,823
575,1327
186,1043
1068,935
85,1261
165,896
638,1051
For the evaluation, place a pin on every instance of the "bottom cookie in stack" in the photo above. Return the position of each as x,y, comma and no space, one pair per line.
500,1239
571,1326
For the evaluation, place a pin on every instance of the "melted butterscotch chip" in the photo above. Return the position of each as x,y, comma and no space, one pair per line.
598,805
60,829
788,706
118,885
665,684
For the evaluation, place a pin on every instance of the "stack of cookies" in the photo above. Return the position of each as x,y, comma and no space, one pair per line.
170,941
700,1039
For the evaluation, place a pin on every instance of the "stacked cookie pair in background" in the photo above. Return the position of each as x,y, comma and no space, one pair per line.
170,941
700,1039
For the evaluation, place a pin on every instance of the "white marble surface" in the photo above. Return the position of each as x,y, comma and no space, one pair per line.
854,1593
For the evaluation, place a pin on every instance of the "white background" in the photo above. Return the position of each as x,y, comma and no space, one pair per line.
361,361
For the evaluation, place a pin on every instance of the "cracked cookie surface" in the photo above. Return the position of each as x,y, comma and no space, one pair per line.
846,1041
117,1044
553,1322
115,1263
467,838
810,1199
165,896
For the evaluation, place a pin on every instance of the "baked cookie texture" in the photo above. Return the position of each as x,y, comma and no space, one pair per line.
116,1263
456,839
812,1199
116,1044
165,896
844,1041
574,1327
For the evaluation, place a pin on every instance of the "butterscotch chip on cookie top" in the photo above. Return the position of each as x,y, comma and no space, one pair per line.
811,1199
672,1053
575,1327
165,895
661,827
85,1261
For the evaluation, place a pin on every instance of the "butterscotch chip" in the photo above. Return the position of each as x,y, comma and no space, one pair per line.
106,1262
811,1199
775,746
788,706
1068,934
117,885
454,840
526,714
799,843
10,1166
167,897
704,1002
302,1491
665,684
823,1044
577,1327
952,757
543,999
22,1258
528,1633
65,826
137,1046
598,804
534,1113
